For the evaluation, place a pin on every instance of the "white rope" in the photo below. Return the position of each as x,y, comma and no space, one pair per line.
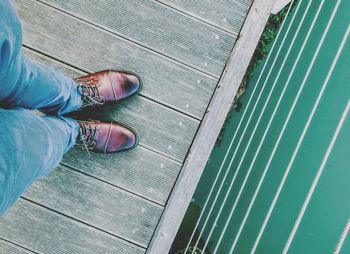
235,134
257,240
251,137
266,131
342,238
329,149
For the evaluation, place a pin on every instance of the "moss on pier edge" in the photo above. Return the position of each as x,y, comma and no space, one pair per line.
268,36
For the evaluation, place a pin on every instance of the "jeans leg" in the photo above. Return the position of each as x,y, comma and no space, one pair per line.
24,83
31,146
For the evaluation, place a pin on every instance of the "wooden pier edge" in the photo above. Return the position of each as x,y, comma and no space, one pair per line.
210,127
279,5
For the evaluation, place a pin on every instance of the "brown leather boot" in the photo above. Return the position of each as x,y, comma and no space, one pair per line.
105,137
107,86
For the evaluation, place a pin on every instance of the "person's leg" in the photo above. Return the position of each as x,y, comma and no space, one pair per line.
24,83
31,146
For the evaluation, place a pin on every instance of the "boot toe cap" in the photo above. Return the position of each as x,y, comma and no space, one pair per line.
121,139
131,85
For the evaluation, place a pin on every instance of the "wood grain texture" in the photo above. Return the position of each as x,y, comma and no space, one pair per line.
227,15
157,27
9,248
45,231
151,120
89,48
98,204
85,211
164,131
140,171
210,127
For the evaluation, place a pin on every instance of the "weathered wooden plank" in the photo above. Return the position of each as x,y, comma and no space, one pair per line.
164,131
210,127
45,231
90,48
157,27
279,5
139,171
9,248
228,15
98,204
152,121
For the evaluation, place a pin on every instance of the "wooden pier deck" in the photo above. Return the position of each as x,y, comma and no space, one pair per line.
116,203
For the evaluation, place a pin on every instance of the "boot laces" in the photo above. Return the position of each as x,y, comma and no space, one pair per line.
91,95
87,135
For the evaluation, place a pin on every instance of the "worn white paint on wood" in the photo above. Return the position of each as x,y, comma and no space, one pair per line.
89,48
10,248
227,15
210,128
98,204
179,37
279,5
45,231
140,171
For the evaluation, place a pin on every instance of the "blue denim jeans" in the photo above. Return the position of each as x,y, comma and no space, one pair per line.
30,145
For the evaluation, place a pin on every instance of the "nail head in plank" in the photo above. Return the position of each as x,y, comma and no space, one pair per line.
225,14
139,171
152,120
87,47
177,36
98,204
210,127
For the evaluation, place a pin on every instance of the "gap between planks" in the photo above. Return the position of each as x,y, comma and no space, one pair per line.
132,41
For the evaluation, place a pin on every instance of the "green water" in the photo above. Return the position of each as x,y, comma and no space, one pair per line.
327,212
